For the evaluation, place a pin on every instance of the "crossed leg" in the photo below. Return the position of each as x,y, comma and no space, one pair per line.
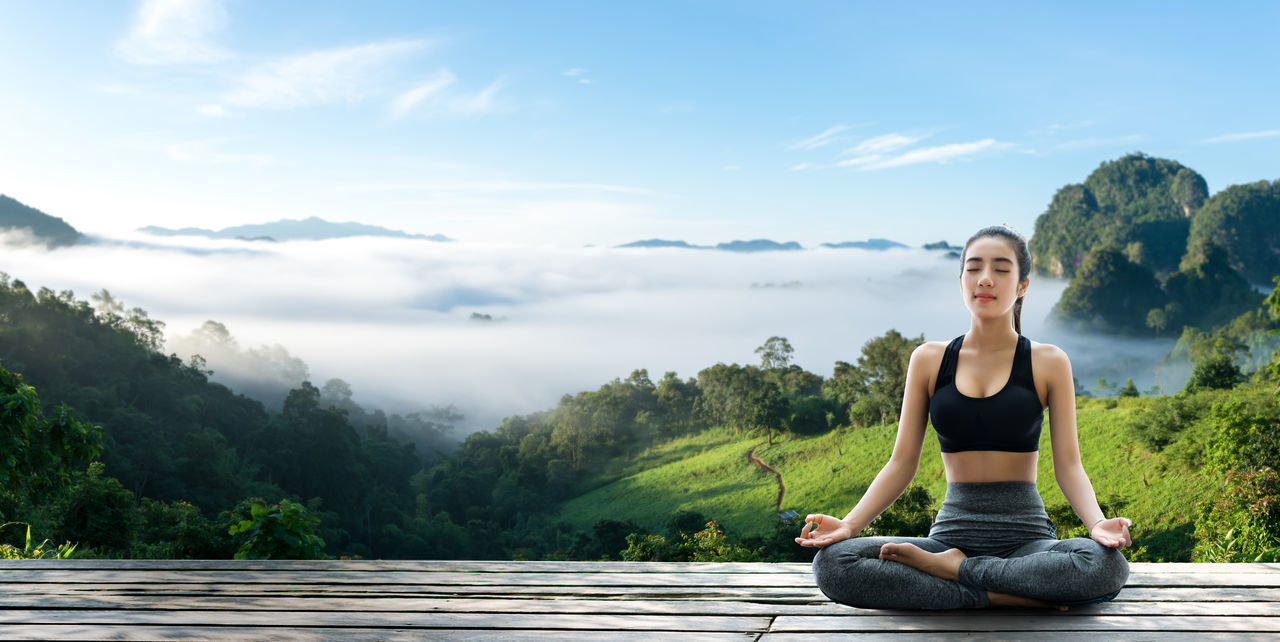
1039,573
946,565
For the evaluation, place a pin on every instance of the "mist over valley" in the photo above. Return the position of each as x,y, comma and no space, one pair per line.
394,317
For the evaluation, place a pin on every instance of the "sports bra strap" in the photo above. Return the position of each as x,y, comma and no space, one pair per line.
947,371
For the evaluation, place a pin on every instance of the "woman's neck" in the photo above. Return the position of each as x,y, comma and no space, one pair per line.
991,334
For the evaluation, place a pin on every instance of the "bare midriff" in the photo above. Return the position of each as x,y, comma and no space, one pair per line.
990,466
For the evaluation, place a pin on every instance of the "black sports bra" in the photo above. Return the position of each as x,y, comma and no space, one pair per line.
1009,420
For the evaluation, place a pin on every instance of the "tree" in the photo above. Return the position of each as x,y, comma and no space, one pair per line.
775,353
1215,372
38,453
872,390
1129,390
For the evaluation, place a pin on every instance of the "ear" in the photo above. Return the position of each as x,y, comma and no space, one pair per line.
1025,284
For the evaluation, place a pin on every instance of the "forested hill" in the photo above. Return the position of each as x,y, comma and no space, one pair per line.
1149,252
51,230
170,435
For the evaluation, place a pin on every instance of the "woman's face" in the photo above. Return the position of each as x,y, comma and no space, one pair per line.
989,282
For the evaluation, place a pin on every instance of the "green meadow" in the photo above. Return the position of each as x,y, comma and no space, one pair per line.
710,473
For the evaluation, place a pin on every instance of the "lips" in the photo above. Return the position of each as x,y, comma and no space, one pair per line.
984,297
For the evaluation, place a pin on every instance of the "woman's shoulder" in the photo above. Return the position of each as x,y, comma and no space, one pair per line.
1049,357
928,355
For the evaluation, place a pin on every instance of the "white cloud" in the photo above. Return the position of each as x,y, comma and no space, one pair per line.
820,140
732,168
434,98
939,154
883,144
407,101
481,102
213,111
860,161
1232,138
576,71
332,75
175,31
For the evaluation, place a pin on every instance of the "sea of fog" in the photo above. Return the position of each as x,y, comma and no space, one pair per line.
393,317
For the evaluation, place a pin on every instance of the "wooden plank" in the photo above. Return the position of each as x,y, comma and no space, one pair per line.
180,631
1202,567
540,579
759,594
402,590
403,577
979,621
426,566
1070,636
587,606
706,623
1213,594
1203,579
486,566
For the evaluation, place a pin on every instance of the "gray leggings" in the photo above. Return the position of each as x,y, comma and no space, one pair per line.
1011,548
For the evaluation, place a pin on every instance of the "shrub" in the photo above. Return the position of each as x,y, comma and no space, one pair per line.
1160,423
98,512
1241,523
38,552
910,516
283,531
177,531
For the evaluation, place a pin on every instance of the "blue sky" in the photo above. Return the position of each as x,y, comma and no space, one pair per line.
602,122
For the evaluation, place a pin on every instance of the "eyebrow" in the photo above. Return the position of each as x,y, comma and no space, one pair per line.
999,259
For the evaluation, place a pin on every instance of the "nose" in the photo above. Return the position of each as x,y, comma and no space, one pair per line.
986,279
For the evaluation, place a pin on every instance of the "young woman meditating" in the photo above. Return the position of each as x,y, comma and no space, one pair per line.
991,543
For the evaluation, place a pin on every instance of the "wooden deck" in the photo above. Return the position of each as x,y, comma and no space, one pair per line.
448,600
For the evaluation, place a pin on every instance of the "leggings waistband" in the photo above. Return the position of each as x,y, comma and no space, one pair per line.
993,497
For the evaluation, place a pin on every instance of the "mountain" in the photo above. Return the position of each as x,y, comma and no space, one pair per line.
758,245
663,243
941,245
54,231
310,229
869,244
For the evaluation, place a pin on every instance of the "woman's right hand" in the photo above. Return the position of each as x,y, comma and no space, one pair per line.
822,530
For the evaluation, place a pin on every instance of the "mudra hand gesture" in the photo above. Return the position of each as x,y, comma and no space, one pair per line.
826,530
1113,533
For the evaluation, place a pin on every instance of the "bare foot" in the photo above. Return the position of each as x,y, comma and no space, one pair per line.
945,564
1005,599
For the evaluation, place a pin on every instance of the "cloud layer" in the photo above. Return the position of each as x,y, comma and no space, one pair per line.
392,317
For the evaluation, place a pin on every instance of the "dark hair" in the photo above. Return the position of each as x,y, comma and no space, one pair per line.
1019,249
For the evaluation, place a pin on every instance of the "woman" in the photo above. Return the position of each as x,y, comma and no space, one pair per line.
991,543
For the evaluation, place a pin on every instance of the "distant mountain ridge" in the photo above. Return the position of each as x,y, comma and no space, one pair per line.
54,231
308,229
765,245
869,244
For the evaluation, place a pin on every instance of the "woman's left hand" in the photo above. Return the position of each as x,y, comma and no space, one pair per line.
1112,533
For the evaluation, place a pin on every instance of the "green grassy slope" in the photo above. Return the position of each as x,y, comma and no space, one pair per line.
710,473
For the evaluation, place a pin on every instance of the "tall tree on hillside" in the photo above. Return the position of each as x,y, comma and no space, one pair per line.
775,353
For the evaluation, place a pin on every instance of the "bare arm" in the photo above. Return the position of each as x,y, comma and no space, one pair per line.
1068,470
901,468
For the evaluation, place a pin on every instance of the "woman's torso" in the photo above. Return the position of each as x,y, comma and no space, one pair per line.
979,377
